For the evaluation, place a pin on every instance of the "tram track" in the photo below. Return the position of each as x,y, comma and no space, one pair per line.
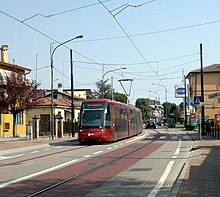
96,167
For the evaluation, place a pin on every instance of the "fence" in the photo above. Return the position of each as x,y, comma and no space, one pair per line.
213,131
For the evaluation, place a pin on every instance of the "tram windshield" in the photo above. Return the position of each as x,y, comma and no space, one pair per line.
95,115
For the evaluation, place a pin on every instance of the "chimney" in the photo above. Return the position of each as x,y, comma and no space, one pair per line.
4,53
60,87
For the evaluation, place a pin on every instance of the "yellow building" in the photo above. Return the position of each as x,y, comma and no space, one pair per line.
62,109
6,120
211,76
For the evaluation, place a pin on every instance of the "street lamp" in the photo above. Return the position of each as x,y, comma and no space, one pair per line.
51,66
165,96
104,76
156,93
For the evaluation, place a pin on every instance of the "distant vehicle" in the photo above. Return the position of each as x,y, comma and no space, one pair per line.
150,124
171,123
104,120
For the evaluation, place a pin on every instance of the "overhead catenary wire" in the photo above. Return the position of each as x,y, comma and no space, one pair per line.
47,36
138,63
123,7
63,12
135,46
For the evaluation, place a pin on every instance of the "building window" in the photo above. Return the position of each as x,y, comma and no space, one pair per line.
0,117
218,81
19,118
7,126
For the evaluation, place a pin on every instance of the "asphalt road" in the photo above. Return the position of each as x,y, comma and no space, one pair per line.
145,165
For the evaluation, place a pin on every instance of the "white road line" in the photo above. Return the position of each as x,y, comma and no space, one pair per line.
86,156
109,148
37,173
160,183
46,149
59,147
98,152
177,151
10,157
35,152
163,137
116,146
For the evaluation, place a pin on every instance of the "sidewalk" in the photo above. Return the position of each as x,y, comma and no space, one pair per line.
201,176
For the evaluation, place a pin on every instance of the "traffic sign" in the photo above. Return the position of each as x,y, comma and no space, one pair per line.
197,99
205,103
189,100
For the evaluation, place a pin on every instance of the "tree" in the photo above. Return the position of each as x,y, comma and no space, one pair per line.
18,94
104,90
143,105
120,97
172,110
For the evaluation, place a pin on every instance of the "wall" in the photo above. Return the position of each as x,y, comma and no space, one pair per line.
20,128
211,85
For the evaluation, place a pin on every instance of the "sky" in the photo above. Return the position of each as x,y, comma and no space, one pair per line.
157,41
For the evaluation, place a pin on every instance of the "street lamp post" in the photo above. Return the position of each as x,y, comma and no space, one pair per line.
52,95
156,93
36,65
102,91
165,95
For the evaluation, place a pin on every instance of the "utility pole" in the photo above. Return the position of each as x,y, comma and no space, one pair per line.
202,91
185,103
72,95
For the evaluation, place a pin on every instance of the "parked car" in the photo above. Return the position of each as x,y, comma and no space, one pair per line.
150,124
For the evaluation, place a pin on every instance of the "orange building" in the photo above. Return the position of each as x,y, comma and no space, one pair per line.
211,76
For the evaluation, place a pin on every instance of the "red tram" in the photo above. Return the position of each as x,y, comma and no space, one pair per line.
104,120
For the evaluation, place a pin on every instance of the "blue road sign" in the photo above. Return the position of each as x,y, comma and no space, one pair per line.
197,100
188,100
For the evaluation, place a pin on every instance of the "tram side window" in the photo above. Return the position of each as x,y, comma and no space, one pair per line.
121,121
108,121
133,120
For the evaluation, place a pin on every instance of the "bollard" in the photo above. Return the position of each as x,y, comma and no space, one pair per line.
218,130
215,132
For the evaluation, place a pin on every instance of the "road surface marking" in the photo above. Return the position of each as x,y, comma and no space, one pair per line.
160,183
98,152
10,157
163,137
59,147
35,152
37,173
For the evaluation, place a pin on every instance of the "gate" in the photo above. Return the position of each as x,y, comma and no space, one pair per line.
44,125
